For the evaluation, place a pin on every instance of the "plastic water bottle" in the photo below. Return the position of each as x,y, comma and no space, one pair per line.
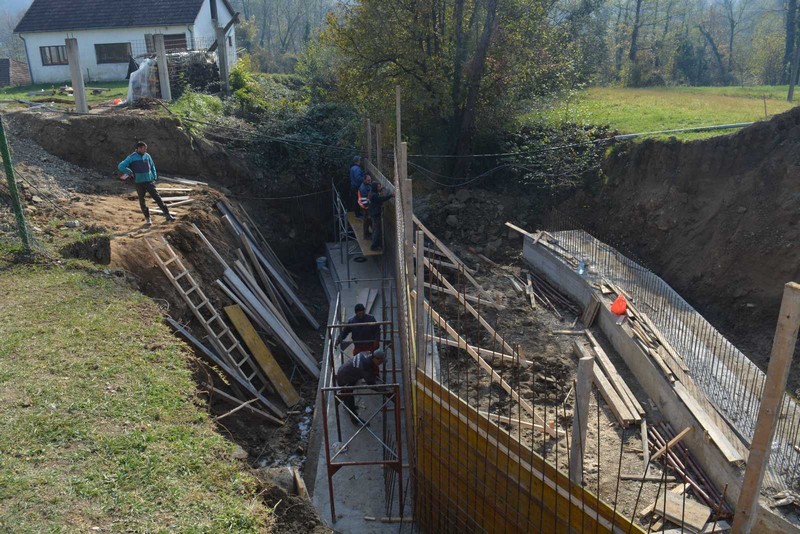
581,267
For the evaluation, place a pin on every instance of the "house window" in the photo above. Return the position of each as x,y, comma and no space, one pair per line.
54,55
113,52
175,41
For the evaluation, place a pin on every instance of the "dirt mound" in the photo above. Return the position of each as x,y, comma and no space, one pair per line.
100,142
716,218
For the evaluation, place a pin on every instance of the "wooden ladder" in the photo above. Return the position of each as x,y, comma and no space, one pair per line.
219,333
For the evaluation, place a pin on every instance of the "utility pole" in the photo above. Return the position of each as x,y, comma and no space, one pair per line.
16,204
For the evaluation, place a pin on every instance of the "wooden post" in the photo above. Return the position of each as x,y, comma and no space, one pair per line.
780,361
222,59
369,143
378,147
419,320
407,206
16,204
398,133
75,72
163,72
580,419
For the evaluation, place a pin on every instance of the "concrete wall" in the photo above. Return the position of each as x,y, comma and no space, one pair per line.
198,35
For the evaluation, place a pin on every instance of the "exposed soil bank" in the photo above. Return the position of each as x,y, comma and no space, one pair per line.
716,218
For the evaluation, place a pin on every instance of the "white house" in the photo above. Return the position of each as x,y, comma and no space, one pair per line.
110,32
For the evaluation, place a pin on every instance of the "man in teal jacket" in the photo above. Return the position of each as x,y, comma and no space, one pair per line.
141,166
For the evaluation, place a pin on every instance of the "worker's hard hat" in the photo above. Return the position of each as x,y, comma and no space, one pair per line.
378,353
356,159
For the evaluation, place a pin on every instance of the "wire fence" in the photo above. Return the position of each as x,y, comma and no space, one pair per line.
730,380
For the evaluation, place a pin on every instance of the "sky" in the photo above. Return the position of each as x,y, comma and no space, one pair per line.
14,6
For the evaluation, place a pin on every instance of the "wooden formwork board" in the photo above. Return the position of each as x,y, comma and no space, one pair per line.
484,473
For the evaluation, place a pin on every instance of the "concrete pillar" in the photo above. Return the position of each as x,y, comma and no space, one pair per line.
163,71
222,56
78,89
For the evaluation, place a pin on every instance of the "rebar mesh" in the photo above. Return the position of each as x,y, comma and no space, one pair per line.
730,380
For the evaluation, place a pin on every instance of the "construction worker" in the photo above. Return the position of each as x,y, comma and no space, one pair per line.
363,203
356,179
364,366
365,337
375,210
141,166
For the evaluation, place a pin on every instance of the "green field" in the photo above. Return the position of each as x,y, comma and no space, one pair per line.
668,108
44,93
101,429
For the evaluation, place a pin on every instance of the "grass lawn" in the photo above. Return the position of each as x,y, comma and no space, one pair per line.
100,424
667,108
118,89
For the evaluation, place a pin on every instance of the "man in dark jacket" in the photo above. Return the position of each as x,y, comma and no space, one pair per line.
376,199
364,366
365,337
363,203
356,179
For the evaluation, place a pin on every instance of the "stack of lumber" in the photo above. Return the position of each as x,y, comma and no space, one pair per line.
612,386
652,342
252,377
259,287
174,197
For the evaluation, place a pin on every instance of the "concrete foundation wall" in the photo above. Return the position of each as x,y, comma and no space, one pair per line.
652,380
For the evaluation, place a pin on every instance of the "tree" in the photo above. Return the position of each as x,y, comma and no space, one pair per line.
464,65
11,46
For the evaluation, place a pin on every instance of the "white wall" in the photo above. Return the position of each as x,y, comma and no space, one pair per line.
200,34
204,26
86,41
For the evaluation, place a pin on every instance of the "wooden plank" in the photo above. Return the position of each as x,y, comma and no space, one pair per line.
358,229
455,259
494,355
263,355
711,429
285,337
492,333
274,295
243,405
615,378
521,231
183,181
236,377
671,443
783,347
569,332
512,421
647,478
645,446
371,299
688,514
612,398
680,489
471,298
300,484
496,378
581,416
